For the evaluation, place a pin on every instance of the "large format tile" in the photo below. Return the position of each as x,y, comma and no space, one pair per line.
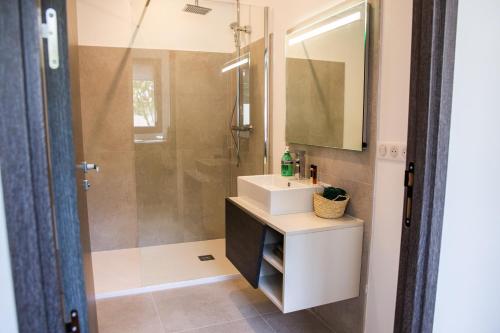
131,314
201,306
112,203
106,98
250,325
296,322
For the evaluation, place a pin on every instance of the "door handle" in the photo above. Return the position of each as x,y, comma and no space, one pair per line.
409,181
86,167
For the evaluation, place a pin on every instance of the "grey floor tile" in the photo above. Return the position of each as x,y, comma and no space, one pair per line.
129,314
206,305
249,325
296,322
259,301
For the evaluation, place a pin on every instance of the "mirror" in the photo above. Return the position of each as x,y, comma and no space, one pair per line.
326,74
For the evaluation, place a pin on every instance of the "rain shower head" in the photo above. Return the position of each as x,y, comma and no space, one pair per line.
195,9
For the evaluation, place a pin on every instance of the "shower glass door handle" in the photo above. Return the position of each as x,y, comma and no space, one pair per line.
86,167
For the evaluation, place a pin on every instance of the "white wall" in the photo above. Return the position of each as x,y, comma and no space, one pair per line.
388,192
165,25
8,315
468,294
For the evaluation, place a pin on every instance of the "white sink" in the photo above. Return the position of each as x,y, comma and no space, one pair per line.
278,195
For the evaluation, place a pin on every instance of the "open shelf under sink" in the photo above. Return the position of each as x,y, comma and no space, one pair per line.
272,258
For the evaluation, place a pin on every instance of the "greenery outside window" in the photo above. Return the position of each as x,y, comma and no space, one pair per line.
147,108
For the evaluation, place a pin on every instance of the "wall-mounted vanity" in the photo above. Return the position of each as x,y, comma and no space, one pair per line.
272,235
319,261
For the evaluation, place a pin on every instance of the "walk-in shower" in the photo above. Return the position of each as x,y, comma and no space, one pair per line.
173,111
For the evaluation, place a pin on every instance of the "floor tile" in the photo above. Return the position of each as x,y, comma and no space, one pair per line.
259,301
206,305
250,325
130,314
296,322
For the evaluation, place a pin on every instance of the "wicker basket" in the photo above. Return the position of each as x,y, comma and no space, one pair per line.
329,209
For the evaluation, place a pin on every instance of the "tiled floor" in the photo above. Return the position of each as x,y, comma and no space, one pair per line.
119,271
225,307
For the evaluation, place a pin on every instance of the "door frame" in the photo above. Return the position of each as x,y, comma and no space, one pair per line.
27,193
25,172
431,88
72,232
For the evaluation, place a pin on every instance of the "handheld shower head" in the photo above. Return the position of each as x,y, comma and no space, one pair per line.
196,9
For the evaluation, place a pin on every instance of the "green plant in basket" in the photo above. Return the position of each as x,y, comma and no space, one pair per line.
334,193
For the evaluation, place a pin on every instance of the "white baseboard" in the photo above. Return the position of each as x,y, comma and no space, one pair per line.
166,286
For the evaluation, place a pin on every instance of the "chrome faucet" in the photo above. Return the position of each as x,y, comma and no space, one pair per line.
300,164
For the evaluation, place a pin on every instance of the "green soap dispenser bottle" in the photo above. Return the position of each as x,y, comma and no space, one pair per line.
287,163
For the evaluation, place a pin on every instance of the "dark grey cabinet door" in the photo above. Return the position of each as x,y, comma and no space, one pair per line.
245,237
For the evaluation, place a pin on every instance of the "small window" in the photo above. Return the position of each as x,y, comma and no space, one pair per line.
145,113
146,90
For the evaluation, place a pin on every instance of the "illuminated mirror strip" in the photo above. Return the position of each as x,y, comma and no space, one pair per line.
235,65
325,28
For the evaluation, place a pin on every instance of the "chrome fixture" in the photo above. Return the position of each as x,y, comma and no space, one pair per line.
86,167
300,164
196,9
267,144
86,184
237,128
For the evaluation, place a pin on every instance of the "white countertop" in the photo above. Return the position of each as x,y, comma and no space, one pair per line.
298,223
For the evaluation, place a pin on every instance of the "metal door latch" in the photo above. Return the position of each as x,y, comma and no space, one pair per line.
409,181
48,31
86,184
74,324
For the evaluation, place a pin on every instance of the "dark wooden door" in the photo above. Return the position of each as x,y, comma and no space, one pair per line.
431,86
65,154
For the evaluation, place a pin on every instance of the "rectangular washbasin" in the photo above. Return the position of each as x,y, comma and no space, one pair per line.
277,195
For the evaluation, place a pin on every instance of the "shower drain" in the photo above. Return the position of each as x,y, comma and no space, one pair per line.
206,257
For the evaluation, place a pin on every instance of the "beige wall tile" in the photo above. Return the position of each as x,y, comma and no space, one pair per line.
112,201
106,98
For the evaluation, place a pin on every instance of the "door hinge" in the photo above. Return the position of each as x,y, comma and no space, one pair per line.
74,324
48,30
409,181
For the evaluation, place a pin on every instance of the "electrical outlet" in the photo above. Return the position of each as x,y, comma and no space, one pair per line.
382,150
403,152
394,151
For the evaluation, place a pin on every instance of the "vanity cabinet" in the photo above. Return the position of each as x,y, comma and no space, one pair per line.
245,237
320,261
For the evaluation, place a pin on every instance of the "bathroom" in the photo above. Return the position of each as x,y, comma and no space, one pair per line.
242,166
